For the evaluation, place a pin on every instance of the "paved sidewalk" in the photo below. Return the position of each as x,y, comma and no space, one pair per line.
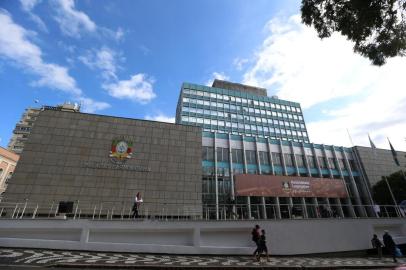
60,258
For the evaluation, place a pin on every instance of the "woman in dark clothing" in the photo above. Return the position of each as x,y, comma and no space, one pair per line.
262,246
390,245
376,243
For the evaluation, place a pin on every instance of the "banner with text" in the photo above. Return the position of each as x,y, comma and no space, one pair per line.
288,186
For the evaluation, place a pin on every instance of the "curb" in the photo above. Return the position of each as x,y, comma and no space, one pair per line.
221,267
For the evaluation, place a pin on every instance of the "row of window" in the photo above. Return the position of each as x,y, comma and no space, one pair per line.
251,158
233,108
246,120
242,126
239,100
247,133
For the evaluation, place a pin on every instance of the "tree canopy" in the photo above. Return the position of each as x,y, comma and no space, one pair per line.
377,27
381,192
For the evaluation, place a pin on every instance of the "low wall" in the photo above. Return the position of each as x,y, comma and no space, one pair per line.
285,237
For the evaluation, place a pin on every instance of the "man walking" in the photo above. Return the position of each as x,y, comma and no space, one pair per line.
255,238
377,244
390,245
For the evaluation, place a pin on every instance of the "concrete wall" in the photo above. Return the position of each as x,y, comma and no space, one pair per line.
379,162
285,237
55,163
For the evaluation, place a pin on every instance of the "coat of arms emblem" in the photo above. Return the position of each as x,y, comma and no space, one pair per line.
121,150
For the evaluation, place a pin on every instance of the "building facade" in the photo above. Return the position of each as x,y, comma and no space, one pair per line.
247,134
8,162
377,163
243,110
23,128
100,163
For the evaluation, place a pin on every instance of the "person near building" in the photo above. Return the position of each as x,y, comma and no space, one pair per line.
377,244
389,245
262,246
137,203
256,233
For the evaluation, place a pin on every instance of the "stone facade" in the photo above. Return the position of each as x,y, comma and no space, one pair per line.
67,159
379,162
8,161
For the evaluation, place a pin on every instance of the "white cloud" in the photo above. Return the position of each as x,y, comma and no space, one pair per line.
239,63
72,22
91,106
27,6
217,75
138,88
160,117
296,65
16,47
103,59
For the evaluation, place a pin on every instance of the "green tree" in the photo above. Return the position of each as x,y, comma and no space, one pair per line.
381,192
377,27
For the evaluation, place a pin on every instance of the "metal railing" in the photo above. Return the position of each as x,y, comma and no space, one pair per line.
169,211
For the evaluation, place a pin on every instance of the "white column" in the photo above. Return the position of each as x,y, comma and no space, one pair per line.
260,172
246,171
215,177
348,200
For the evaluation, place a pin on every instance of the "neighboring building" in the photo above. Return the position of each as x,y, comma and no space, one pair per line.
101,162
241,110
379,162
247,134
8,162
23,128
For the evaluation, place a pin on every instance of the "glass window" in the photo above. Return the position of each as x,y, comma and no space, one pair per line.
228,124
221,123
256,103
278,106
250,157
185,118
185,99
238,100
237,156
332,163
300,161
322,162
288,160
273,106
222,154
263,158
206,121
263,112
276,158
262,104
243,100
214,122
342,164
311,162
283,107
234,125
208,153
232,99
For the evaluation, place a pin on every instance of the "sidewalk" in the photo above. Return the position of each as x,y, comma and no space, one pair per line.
77,259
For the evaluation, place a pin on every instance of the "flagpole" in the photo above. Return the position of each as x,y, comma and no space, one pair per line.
355,151
393,196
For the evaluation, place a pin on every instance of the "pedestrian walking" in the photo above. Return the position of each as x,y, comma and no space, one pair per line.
377,244
137,203
262,246
389,245
255,238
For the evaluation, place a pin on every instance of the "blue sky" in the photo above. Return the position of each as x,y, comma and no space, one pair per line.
129,58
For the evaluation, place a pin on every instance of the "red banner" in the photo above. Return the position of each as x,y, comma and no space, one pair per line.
288,186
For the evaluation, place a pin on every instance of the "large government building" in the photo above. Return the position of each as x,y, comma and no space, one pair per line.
233,153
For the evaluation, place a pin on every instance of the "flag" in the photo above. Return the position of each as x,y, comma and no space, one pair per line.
394,154
371,142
